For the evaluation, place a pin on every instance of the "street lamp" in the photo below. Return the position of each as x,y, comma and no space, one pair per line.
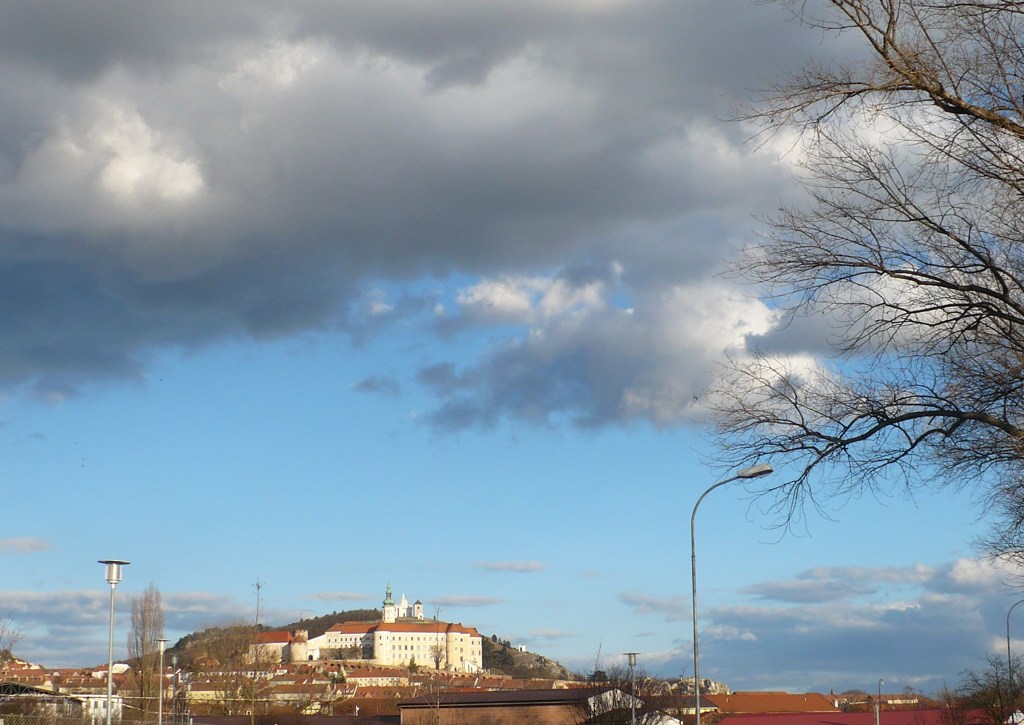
113,577
1009,658
761,469
160,681
878,703
632,687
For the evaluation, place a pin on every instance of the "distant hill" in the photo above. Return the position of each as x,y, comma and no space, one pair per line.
498,656
318,625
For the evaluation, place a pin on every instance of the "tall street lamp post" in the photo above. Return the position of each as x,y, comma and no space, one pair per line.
1009,657
762,469
878,703
160,684
113,577
632,687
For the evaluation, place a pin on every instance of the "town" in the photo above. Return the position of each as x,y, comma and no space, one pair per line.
406,669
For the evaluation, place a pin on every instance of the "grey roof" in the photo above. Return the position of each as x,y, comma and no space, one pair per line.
505,697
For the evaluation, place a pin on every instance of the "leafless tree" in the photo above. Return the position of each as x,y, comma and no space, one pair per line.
911,246
10,635
147,628
991,690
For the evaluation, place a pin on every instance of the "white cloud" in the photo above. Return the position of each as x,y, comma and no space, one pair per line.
528,300
512,566
275,67
23,546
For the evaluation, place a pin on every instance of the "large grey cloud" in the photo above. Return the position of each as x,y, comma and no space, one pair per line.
176,174
834,627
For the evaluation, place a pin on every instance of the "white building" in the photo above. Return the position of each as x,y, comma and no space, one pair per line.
403,637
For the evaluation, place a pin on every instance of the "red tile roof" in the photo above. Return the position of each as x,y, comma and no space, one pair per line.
933,716
759,702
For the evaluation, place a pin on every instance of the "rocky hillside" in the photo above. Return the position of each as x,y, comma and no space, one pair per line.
501,657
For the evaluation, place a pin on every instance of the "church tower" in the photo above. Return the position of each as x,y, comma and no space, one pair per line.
390,610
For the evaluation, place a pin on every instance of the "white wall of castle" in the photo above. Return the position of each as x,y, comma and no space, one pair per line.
396,647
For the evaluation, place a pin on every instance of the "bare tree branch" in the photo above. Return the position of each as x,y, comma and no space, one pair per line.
912,246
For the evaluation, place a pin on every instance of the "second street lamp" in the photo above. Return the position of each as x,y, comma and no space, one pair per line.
762,469
113,576
160,681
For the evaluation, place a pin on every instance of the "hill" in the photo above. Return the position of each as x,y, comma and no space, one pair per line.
499,656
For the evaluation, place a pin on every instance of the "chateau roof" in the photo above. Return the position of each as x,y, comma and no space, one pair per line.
274,637
407,625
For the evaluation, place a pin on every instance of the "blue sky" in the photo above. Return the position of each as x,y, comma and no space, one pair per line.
332,297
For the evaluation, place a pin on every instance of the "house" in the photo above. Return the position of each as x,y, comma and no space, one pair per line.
543,707
48,701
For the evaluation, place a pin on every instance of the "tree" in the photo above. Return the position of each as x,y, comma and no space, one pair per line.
990,690
9,636
147,628
653,698
911,246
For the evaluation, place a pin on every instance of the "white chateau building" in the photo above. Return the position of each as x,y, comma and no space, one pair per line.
403,637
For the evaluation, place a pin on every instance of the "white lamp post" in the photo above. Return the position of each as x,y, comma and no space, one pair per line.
632,687
113,576
160,681
761,469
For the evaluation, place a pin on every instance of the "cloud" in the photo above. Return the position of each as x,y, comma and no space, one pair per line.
68,628
512,566
839,622
827,584
23,546
672,609
241,172
379,384
466,601
549,634
600,364
341,596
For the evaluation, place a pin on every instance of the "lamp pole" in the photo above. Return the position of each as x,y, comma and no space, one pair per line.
113,576
1009,657
160,681
761,469
632,687
878,703
174,688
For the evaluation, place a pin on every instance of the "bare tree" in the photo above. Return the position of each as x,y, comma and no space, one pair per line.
991,690
911,246
147,629
10,635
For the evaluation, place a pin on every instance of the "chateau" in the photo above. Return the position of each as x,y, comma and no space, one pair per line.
402,638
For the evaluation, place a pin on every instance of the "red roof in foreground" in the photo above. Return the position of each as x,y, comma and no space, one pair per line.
759,702
933,716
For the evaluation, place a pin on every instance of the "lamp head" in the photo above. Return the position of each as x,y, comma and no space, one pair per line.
114,569
761,469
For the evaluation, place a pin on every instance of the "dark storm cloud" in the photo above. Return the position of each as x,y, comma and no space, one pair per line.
177,174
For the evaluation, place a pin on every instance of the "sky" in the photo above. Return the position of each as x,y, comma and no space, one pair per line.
330,296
